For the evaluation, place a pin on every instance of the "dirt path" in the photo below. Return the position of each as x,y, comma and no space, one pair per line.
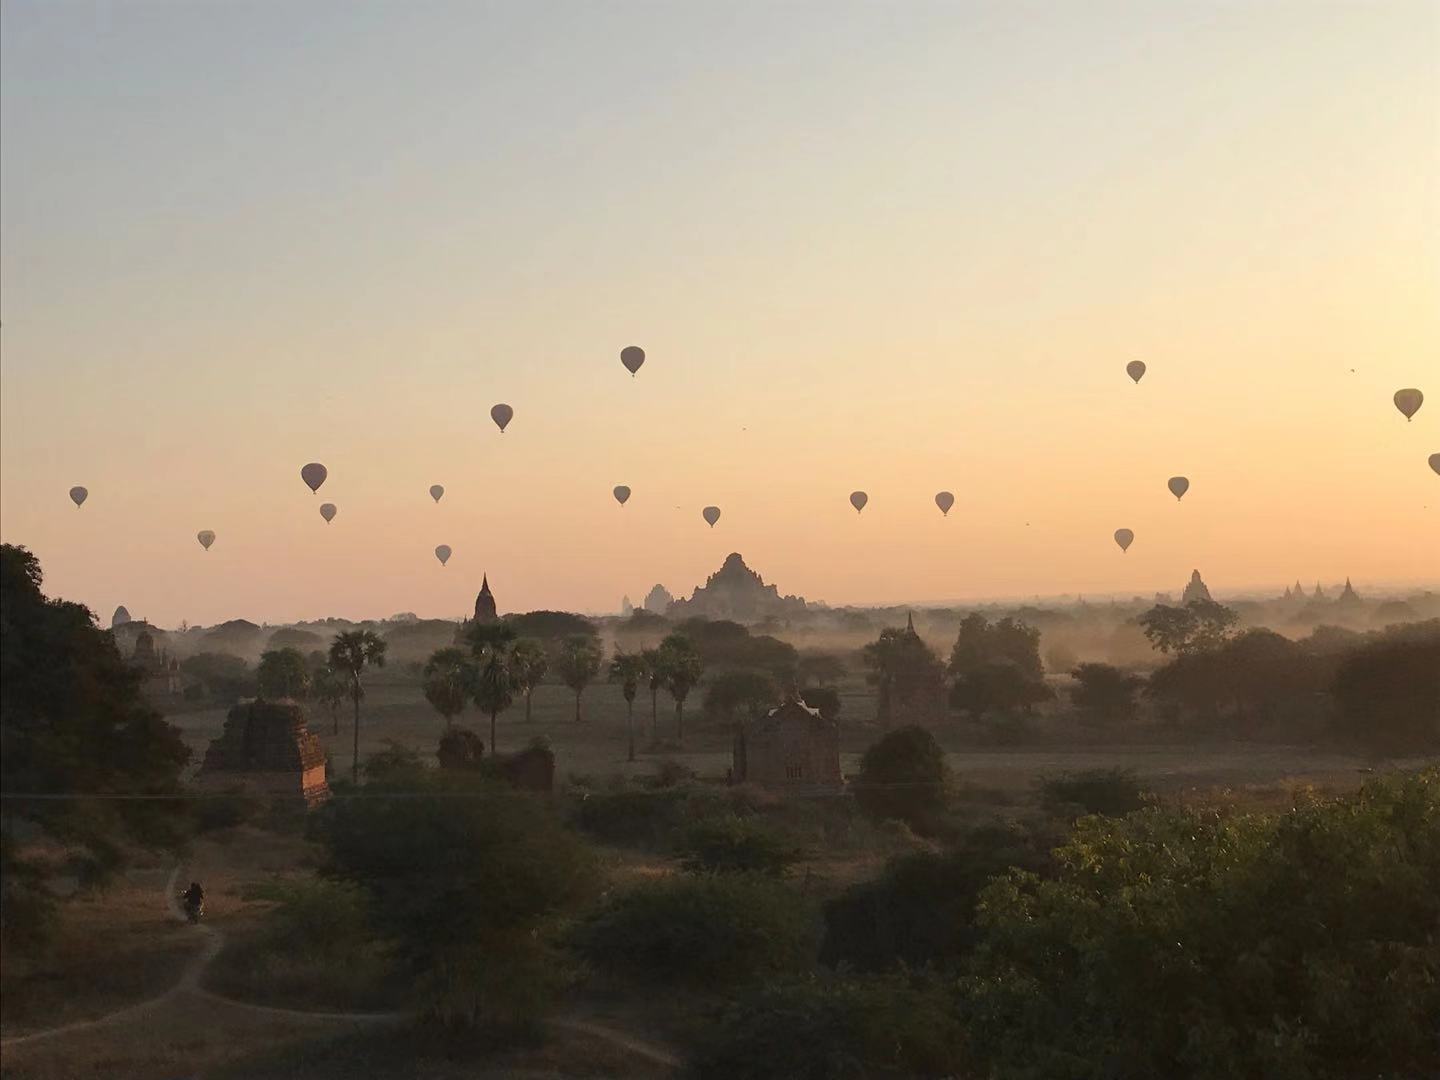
189,985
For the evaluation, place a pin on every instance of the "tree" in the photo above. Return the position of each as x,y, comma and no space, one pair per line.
1199,626
823,699
528,663
820,669
903,776
73,722
654,679
550,625
283,673
906,674
226,678
449,682
329,690
578,664
1105,691
628,669
1388,692
1188,942
351,653
682,667
469,888
495,685
998,687
731,690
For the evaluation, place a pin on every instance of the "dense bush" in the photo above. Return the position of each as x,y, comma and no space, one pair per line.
835,1029
316,947
920,911
903,776
1113,792
475,870
1389,691
1193,944
733,843
704,930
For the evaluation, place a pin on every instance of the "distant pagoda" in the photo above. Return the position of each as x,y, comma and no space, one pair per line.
485,603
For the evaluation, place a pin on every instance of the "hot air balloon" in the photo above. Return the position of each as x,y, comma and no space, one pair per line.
858,499
1178,485
502,414
436,491
945,500
1135,369
78,495
711,514
1435,462
327,511
1124,537
314,475
1409,401
622,494
206,538
632,356
443,553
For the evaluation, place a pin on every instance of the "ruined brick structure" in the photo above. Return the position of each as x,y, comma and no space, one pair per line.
792,746
266,748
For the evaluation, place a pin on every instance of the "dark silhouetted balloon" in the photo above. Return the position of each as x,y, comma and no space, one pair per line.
436,491
1409,401
711,514
502,414
206,538
443,553
1435,462
1178,485
945,500
327,511
622,494
314,475
1124,537
1135,369
858,499
78,495
632,356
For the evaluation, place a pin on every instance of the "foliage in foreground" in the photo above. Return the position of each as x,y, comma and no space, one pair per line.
72,722
920,911
705,929
732,844
1194,944
456,870
835,1029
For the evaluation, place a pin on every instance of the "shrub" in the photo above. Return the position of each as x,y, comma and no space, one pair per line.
734,843
1389,692
1189,943
1112,792
903,776
835,1029
920,911
317,946
706,929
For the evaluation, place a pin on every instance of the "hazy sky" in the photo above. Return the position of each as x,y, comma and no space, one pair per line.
897,247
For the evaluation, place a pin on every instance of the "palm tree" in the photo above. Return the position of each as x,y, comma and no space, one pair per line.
350,653
494,688
682,669
578,664
528,663
329,690
449,682
655,679
628,669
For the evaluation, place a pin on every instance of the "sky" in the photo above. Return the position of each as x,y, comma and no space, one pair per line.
900,248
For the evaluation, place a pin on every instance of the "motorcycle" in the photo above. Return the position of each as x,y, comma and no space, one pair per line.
194,908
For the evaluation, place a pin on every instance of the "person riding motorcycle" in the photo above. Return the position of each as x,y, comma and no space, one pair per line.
194,898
